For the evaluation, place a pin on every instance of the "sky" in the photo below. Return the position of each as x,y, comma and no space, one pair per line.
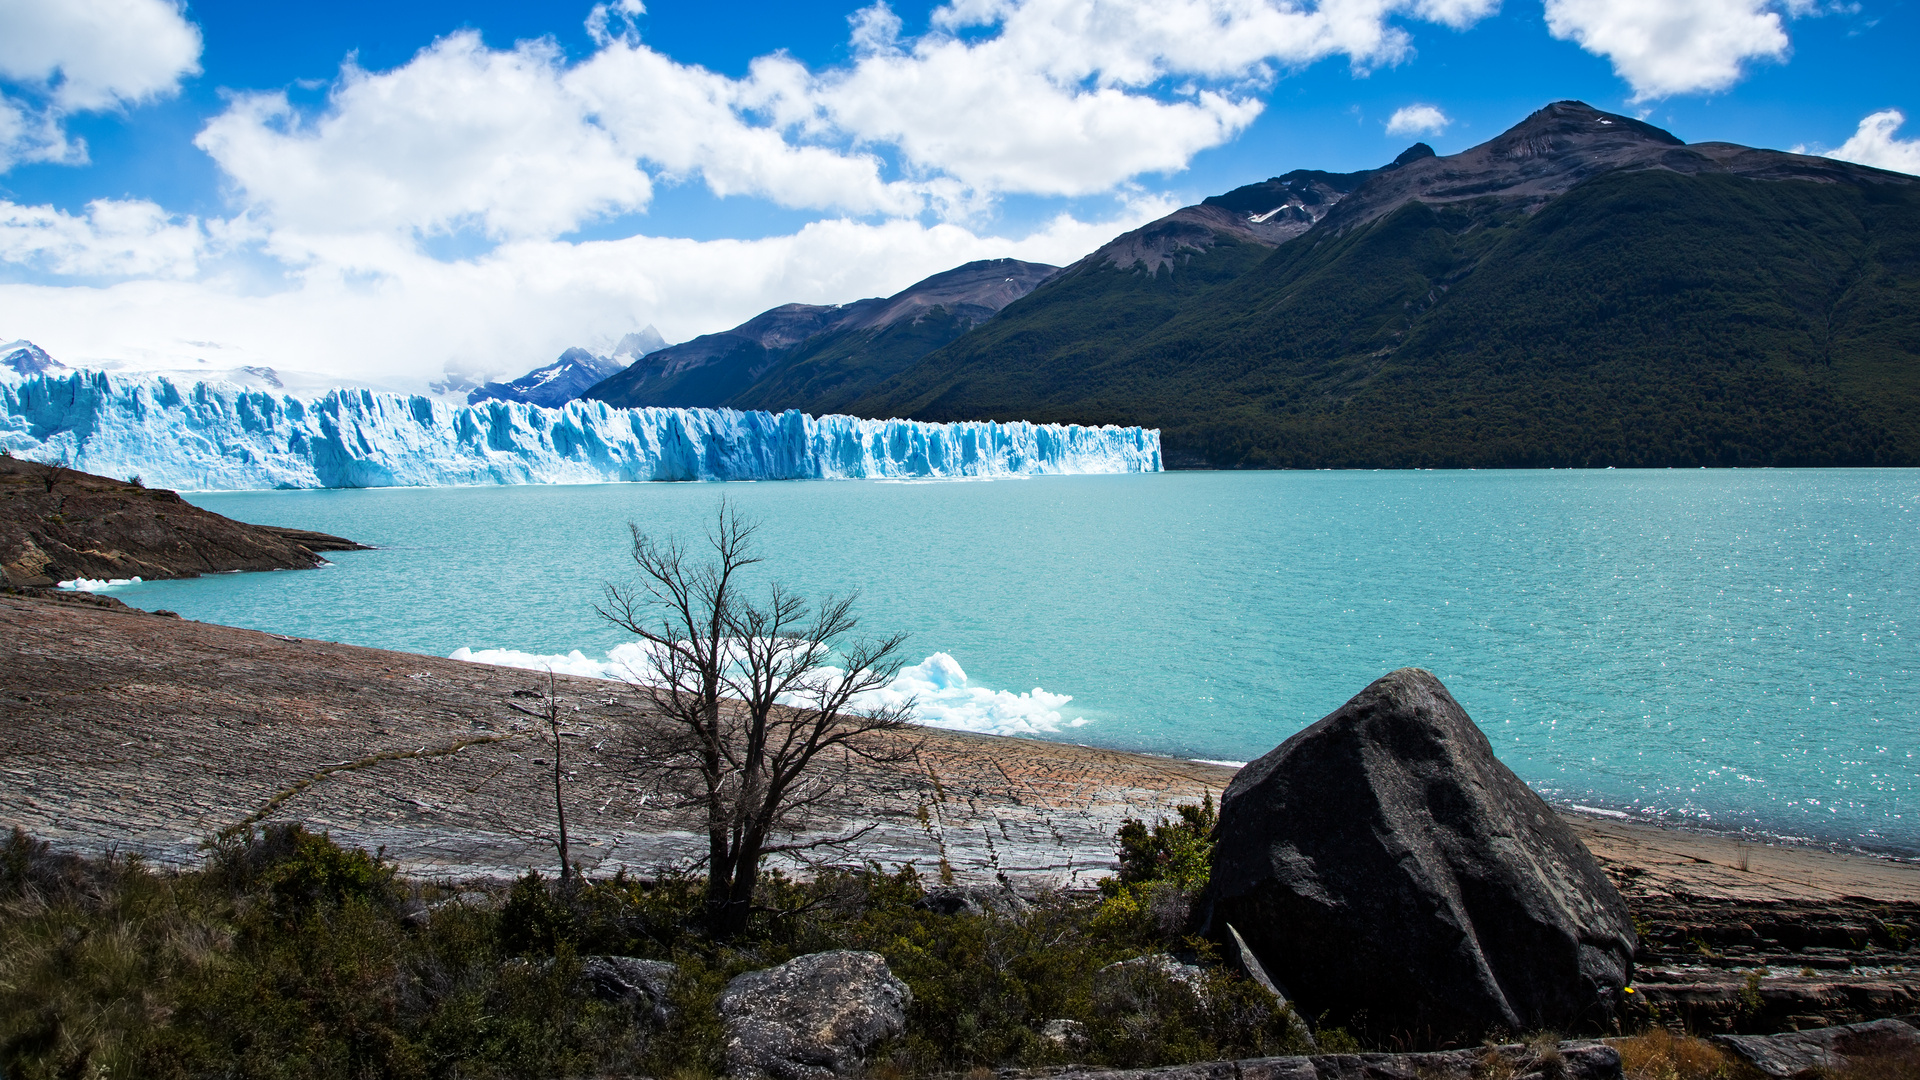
400,194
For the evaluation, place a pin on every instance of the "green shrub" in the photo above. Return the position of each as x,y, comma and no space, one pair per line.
287,955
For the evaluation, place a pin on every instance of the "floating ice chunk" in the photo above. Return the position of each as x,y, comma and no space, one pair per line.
96,584
938,687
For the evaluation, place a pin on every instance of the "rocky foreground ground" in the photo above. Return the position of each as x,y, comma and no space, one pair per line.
121,729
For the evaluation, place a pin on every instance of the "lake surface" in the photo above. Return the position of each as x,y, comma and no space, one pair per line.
1724,647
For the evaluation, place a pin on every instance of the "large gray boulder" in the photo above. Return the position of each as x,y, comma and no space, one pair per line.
813,1017
1389,872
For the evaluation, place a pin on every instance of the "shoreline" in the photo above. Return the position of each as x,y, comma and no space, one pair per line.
226,720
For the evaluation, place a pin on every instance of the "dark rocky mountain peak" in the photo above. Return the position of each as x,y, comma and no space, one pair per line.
1564,145
1268,213
1414,153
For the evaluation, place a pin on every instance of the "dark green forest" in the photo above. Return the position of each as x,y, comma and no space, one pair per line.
1645,318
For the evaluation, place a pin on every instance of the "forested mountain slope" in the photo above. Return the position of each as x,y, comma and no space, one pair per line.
1583,290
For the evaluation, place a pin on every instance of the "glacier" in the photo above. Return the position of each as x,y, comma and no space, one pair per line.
219,436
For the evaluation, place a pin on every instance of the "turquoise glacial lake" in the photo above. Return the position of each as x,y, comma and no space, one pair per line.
1726,649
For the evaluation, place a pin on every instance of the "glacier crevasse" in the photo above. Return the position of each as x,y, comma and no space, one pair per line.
218,436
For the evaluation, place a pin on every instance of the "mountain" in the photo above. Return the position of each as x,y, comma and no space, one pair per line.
1585,289
572,375
816,357
26,358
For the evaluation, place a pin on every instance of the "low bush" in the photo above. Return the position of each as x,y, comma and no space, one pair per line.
288,955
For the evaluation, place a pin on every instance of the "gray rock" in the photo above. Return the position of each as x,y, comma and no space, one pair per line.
1389,871
1576,1060
813,1017
1824,1050
626,980
972,900
1066,1034
1136,985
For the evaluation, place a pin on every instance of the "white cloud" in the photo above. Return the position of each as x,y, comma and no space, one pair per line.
1666,47
114,238
84,56
1063,97
1874,144
514,308
324,264
1417,119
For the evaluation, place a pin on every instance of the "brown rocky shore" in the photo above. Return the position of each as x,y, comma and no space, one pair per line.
59,524
121,730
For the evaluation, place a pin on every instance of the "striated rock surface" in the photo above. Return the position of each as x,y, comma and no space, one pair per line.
1573,1060
1388,870
813,1017
58,524
1890,1043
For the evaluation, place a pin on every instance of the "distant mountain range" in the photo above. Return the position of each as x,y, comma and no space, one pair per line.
1583,290
576,371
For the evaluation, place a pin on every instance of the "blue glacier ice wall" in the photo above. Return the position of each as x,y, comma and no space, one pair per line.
221,437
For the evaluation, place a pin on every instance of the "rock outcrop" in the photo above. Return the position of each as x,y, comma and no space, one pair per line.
58,524
1390,872
1892,1044
813,1017
640,985
1571,1060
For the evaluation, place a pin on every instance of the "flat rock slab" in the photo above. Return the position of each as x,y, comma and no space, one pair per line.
123,730
1573,1060
1793,1054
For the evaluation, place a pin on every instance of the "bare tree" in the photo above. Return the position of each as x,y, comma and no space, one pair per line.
754,701
550,716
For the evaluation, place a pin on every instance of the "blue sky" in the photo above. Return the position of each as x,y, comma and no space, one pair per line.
387,193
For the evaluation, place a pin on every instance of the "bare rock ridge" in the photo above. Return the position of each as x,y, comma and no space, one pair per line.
1268,214
58,524
717,369
1389,871
1567,143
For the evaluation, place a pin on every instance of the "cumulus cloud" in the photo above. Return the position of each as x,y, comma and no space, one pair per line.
84,56
1874,144
1063,97
400,320
1417,120
1666,47
325,264
114,238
